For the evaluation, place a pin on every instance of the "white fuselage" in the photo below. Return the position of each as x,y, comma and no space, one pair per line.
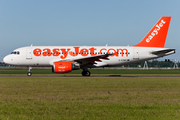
45,56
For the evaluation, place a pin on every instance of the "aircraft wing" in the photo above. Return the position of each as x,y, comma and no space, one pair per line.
90,60
166,51
86,61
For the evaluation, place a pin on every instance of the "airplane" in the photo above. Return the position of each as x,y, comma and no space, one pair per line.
64,59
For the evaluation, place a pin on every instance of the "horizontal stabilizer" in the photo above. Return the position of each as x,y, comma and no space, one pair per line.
163,51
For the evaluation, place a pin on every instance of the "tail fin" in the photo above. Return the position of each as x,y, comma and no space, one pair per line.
157,35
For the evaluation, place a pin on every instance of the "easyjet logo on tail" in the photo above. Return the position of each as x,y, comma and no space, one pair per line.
64,52
155,31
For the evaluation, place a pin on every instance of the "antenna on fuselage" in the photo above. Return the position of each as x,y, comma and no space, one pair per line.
31,45
106,45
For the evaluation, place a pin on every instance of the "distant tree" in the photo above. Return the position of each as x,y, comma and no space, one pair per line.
153,64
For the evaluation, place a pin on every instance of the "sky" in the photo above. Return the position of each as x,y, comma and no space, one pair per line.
84,22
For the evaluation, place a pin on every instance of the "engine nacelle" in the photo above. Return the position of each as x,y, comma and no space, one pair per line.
64,67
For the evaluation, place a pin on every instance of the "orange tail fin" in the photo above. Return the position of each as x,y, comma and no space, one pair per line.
157,35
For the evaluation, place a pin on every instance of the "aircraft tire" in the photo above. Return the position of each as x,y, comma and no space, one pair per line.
86,73
29,74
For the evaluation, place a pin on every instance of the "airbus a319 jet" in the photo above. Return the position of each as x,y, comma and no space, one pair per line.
64,59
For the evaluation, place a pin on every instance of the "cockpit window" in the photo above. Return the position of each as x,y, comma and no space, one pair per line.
15,52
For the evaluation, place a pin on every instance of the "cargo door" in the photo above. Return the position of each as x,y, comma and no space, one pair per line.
136,53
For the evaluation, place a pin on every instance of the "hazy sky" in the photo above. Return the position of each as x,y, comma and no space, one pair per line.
84,22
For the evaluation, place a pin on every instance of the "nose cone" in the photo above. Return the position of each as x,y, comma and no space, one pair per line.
6,59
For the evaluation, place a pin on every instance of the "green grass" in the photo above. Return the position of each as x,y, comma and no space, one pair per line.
89,98
95,71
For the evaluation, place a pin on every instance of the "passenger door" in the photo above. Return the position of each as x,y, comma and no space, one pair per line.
28,53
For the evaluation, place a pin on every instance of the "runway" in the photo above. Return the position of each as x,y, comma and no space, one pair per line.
111,76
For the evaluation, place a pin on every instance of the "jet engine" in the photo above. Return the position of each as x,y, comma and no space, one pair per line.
64,67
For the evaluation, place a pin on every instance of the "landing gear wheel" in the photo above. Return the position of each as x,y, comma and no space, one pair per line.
83,73
86,73
29,74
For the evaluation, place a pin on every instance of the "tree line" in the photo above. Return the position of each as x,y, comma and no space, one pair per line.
153,64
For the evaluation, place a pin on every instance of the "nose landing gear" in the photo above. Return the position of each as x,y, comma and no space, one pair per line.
29,72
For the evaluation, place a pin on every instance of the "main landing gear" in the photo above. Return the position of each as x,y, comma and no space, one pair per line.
29,72
86,73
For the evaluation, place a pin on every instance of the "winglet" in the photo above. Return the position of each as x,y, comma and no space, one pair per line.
157,35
